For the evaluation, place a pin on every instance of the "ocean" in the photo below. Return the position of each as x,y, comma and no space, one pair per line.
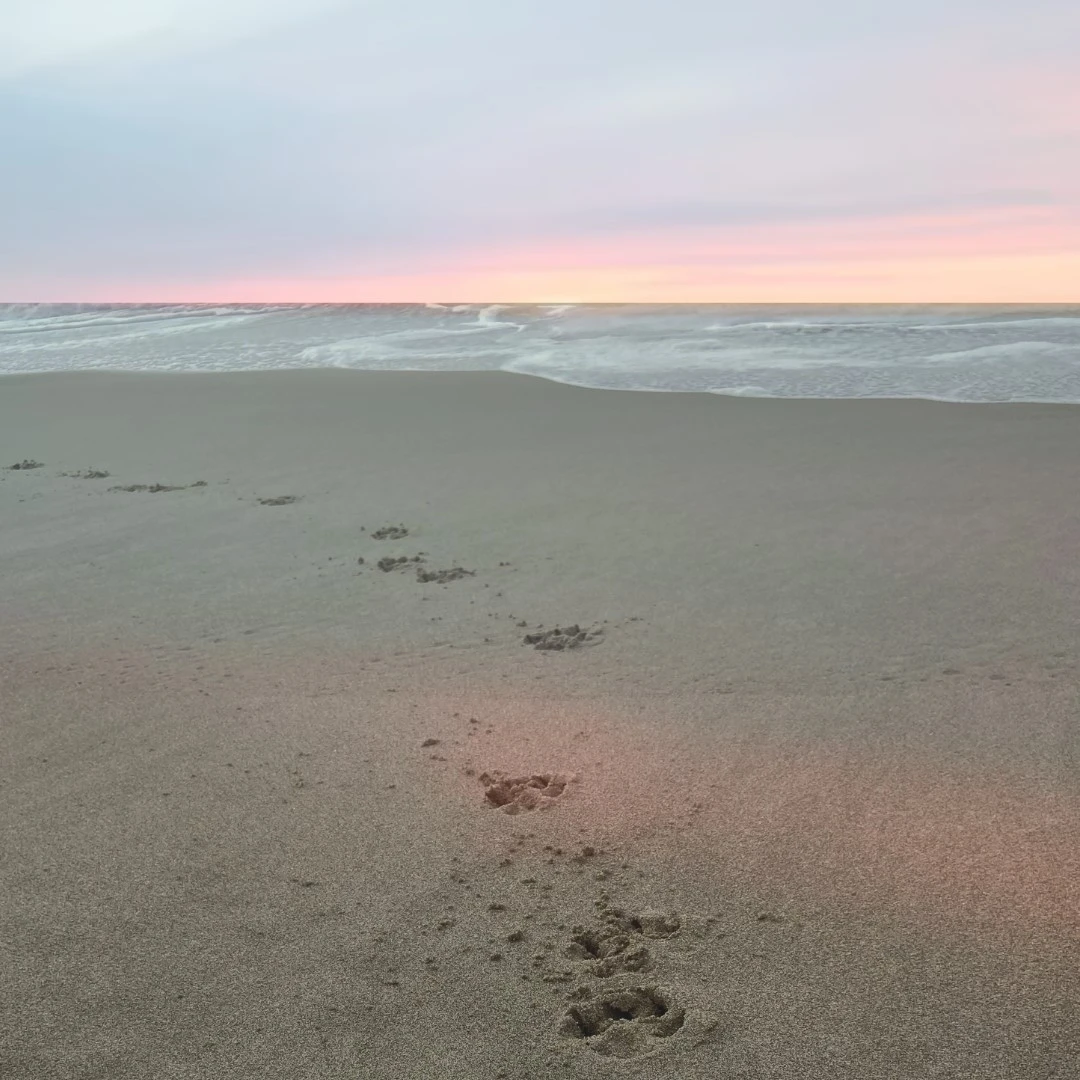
945,353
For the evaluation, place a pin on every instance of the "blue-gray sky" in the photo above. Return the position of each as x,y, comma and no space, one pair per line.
498,149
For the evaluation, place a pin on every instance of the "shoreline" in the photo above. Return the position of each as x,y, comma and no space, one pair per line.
115,372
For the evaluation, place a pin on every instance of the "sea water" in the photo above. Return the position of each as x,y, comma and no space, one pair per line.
972,354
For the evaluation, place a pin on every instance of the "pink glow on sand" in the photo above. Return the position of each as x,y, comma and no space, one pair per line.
895,832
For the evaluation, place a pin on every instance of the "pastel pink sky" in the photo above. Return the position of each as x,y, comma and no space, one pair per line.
962,258
183,150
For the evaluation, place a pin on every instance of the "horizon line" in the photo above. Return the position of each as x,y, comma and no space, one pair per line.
555,303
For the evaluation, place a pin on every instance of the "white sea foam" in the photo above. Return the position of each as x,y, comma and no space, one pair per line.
21,319
742,391
792,325
115,332
1004,354
1014,350
488,317
1049,322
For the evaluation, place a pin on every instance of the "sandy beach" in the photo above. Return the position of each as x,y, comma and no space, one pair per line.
422,726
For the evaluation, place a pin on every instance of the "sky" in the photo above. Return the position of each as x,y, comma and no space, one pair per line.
555,151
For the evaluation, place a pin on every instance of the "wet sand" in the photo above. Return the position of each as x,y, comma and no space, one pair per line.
655,735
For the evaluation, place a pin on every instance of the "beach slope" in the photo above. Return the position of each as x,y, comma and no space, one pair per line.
442,726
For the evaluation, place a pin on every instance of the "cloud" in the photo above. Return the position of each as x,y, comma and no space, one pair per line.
49,33
190,140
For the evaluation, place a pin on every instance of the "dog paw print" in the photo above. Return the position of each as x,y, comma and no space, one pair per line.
624,1022
522,794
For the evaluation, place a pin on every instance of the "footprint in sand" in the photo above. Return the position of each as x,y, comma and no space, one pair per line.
521,794
88,474
607,955
156,489
615,947
389,562
441,577
558,639
280,500
390,532
624,1021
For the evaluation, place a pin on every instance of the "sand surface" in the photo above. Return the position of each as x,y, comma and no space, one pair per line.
801,798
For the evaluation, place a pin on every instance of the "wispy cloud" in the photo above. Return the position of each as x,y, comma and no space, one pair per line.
51,33
197,144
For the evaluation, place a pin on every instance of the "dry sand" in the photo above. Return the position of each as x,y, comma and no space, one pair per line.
799,797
